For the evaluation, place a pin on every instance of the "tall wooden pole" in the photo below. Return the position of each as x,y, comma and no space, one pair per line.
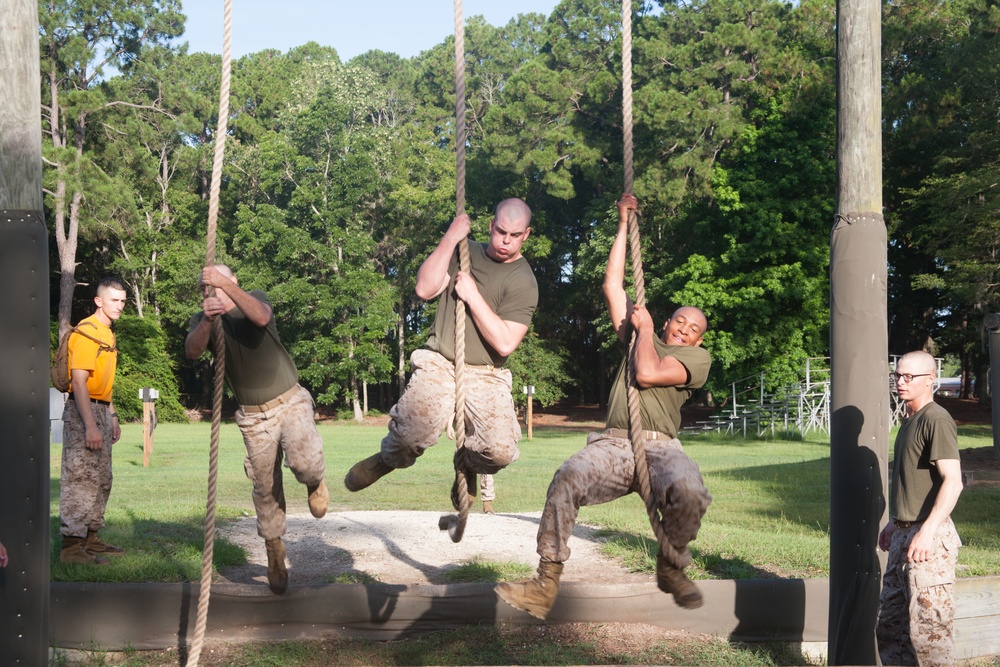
859,398
24,355
992,324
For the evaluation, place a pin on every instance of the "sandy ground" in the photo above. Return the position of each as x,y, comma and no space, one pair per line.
407,547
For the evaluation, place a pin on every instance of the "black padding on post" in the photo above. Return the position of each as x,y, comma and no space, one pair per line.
24,438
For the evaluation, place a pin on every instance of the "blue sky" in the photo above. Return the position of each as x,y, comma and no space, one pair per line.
404,27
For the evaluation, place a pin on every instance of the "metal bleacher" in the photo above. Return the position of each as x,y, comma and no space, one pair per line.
803,407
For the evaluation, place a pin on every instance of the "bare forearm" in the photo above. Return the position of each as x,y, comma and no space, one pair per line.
432,277
81,396
944,503
646,359
614,283
252,308
502,336
197,340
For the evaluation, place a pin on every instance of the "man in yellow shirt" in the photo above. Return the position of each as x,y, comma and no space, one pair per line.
90,427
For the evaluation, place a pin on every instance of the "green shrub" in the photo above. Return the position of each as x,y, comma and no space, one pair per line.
143,362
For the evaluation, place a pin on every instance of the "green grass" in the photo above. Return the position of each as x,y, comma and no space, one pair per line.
484,645
769,517
773,488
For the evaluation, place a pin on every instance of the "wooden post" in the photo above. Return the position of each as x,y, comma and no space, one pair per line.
148,397
859,396
24,330
992,324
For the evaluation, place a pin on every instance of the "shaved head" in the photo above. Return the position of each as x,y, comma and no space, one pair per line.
917,362
225,270
513,211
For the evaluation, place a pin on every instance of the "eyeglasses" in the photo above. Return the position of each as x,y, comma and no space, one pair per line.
907,378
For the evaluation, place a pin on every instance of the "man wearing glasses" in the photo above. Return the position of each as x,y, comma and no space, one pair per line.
917,605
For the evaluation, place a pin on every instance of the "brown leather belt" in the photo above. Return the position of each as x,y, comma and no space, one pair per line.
272,404
649,435
96,400
903,524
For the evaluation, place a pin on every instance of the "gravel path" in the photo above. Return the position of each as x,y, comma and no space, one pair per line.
407,547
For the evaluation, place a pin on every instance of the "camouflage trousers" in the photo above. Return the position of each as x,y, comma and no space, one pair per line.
286,432
917,605
85,480
603,471
427,406
487,490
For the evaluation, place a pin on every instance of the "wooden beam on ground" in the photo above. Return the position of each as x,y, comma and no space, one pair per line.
160,616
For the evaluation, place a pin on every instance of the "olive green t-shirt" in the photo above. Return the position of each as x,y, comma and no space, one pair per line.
925,437
258,368
660,406
508,287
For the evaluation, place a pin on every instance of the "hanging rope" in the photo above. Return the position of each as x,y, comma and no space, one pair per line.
636,433
455,525
220,347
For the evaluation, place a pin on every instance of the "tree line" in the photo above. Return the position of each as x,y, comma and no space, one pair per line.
339,179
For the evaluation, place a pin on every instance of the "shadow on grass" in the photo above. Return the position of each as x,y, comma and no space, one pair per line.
638,554
799,492
155,551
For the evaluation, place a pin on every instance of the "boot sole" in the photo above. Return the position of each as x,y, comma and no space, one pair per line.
538,612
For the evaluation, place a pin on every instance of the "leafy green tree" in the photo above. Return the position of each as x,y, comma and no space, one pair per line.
79,43
542,365
143,362
943,163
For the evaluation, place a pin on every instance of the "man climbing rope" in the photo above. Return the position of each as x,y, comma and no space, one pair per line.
500,294
667,372
276,413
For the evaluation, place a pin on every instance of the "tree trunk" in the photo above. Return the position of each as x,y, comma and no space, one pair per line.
355,403
401,340
67,254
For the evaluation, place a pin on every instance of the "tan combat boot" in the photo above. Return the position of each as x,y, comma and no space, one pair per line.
277,573
365,473
97,546
672,580
319,499
535,596
487,507
73,553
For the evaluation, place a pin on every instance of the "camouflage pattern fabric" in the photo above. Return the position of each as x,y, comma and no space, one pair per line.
85,480
286,432
487,490
428,405
917,605
603,471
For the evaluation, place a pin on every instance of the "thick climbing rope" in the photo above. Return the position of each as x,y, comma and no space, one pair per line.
455,525
220,347
636,433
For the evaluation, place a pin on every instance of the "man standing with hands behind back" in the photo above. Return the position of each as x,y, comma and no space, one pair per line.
917,605
90,427
276,414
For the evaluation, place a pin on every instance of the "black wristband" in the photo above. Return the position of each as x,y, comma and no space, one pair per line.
114,415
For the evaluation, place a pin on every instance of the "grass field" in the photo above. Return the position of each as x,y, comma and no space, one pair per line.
769,517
